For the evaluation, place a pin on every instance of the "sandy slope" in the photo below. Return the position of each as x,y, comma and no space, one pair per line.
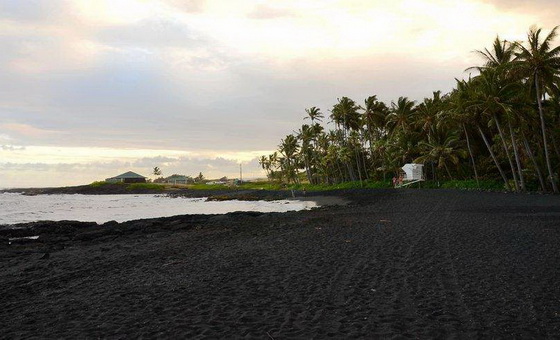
418,263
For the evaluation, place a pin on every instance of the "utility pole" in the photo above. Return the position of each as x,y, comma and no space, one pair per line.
241,172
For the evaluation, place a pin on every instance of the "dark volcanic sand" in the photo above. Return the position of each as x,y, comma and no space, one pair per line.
417,263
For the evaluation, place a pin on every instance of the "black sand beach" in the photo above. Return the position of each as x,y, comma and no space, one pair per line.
414,263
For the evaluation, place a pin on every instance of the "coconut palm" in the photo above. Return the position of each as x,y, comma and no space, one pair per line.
501,55
401,116
444,148
540,62
288,148
315,114
494,99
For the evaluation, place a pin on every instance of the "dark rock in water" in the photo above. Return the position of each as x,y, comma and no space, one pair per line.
44,227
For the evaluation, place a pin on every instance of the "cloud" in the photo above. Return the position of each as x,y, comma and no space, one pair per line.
7,147
158,161
152,33
263,11
26,130
544,12
32,10
189,6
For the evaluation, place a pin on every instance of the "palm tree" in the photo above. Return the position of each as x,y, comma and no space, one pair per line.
443,149
458,112
157,171
541,63
400,118
314,113
345,113
501,55
305,135
428,113
374,118
468,93
494,99
288,148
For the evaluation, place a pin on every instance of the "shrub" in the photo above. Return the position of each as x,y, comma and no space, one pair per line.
98,184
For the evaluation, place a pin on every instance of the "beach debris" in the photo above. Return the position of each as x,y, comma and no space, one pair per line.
45,256
385,221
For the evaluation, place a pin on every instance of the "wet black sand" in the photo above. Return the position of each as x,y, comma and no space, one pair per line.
415,263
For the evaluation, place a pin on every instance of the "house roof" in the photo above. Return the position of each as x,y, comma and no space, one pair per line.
129,174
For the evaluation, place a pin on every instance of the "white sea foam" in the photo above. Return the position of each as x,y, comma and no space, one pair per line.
17,208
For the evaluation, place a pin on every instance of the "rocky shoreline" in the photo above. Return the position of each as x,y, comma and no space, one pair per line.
414,263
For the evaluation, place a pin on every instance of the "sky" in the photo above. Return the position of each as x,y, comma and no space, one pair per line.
90,89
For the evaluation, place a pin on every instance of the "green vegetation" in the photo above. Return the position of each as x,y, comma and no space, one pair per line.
262,186
98,184
204,186
472,184
343,185
498,129
145,186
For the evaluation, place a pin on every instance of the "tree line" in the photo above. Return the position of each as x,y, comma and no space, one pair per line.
503,123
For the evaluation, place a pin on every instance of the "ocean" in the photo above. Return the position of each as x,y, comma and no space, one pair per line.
18,208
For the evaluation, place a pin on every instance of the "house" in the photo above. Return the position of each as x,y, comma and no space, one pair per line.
127,177
178,179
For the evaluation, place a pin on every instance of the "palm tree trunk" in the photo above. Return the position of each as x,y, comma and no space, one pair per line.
555,145
543,128
502,137
340,172
359,170
308,171
363,164
471,154
494,158
448,172
516,153
532,157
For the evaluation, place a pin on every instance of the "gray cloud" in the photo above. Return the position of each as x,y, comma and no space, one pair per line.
547,11
33,10
537,4
251,105
153,33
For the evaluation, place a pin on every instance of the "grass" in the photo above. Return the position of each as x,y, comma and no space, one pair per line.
472,185
262,186
345,185
487,185
145,186
204,186
98,184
